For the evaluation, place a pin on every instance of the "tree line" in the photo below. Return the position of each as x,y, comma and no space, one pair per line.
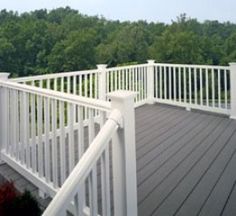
63,39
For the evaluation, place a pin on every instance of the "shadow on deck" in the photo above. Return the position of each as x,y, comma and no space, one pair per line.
186,162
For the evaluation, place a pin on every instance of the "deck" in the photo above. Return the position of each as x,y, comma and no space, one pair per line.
186,162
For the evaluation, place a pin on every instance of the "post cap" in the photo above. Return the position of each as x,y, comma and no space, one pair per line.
122,94
151,61
4,75
101,66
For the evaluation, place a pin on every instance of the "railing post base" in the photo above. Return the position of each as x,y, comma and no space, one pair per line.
3,123
124,167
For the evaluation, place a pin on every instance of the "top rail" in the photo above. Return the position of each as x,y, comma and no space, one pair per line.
126,67
70,73
78,100
84,72
193,66
54,75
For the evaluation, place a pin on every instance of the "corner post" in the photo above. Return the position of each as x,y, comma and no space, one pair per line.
150,81
3,114
124,155
102,81
233,90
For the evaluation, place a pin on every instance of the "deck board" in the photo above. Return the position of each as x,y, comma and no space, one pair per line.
183,178
186,162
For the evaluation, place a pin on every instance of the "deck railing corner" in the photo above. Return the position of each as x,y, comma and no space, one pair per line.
233,90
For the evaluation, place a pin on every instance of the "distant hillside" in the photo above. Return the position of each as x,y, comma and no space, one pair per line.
63,40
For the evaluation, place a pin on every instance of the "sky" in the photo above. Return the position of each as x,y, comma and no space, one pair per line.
133,10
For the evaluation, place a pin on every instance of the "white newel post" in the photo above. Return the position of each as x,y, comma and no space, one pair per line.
150,81
233,89
124,155
102,81
3,114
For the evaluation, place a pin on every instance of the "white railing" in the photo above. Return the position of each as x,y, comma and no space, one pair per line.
201,87
82,83
46,133
193,86
95,83
131,78
48,129
116,138
96,156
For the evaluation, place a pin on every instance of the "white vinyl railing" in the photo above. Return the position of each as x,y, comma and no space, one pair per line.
95,83
54,129
96,157
46,132
82,83
193,86
130,78
201,87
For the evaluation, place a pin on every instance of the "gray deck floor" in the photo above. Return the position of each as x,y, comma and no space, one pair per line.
186,162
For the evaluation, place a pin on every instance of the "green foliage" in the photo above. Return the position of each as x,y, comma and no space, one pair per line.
63,40
25,205
14,203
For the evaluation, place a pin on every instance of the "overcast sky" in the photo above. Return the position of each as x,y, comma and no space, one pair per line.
150,10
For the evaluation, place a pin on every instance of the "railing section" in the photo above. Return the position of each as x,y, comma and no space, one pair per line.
201,87
91,174
131,78
82,83
46,132
95,83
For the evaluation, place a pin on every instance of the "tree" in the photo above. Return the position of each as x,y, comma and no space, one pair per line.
177,47
76,52
63,39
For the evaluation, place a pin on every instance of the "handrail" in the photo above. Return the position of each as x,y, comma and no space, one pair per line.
83,72
126,67
78,100
193,66
84,166
70,73
53,75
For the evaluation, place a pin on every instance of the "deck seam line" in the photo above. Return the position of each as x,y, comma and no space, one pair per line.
185,126
228,198
190,171
160,117
176,119
221,174
181,161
